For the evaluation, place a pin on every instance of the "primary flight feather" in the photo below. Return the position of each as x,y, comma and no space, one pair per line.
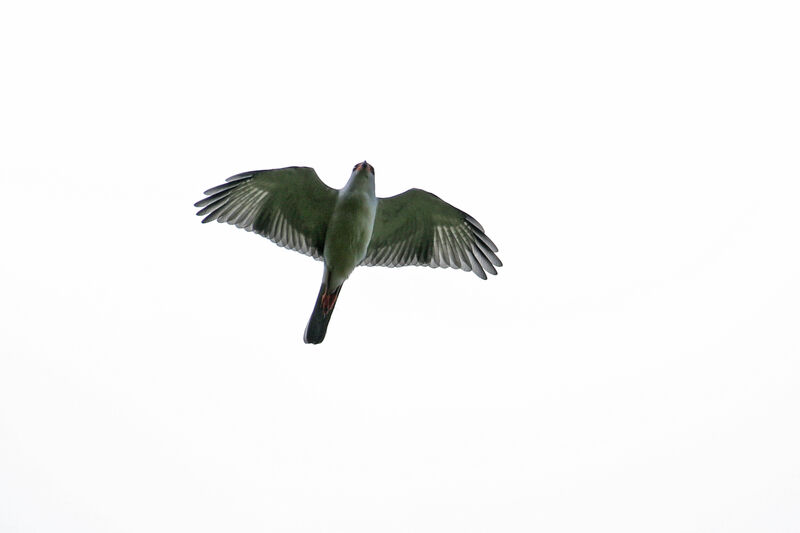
349,227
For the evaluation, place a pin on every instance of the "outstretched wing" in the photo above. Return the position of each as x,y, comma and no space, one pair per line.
419,228
290,206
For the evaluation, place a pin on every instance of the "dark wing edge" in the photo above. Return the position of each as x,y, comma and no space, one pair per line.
417,228
271,203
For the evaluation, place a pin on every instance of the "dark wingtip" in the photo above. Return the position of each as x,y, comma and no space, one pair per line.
241,176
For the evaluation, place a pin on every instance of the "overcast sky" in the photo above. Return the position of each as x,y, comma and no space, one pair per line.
633,367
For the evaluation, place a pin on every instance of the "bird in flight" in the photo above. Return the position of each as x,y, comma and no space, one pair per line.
349,227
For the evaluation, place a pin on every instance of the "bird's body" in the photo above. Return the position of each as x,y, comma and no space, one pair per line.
346,242
349,227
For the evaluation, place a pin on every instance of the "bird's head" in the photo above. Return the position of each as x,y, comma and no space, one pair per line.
363,176
364,167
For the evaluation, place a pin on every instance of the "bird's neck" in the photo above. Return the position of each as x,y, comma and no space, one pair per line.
359,183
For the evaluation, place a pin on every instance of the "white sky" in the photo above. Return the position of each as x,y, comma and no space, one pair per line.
634,367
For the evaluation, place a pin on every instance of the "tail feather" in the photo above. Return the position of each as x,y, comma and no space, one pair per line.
323,309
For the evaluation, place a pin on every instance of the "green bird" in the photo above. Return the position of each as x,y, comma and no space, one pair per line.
349,227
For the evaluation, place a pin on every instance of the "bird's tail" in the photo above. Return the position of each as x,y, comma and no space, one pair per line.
323,309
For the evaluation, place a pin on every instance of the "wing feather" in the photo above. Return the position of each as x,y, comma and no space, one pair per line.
419,228
290,206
